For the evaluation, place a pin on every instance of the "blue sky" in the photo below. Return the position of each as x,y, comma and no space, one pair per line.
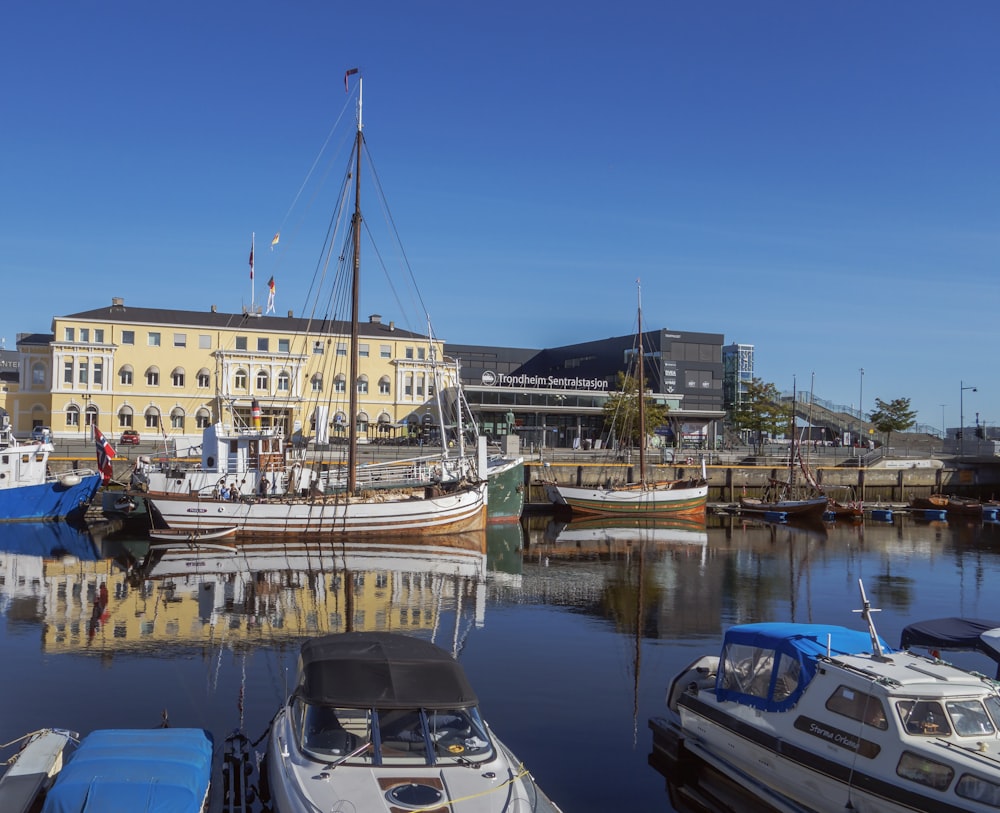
819,180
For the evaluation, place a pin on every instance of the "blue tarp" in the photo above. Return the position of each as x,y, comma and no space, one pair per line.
165,770
803,643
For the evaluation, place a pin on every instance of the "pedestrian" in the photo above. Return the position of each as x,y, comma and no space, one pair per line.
224,492
262,487
234,492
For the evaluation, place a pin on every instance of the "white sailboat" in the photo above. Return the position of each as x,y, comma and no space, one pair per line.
277,492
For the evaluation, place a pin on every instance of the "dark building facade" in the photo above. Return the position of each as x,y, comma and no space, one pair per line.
555,396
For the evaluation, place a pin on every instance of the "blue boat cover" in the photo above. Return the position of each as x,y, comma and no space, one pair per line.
164,770
801,643
48,540
957,634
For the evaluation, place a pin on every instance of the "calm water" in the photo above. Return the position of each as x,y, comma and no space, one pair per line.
570,638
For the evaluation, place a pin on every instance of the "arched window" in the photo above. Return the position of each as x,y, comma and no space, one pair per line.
384,385
125,417
202,418
91,415
284,381
362,385
340,383
152,377
177,377
204,379
317,382
177,419
125,375
362,423
152,418
72,415
263,380
240,380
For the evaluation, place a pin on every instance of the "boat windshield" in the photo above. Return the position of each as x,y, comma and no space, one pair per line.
408,736
970,718
924,717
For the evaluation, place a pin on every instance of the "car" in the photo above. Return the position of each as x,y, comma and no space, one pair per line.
42,433
129,438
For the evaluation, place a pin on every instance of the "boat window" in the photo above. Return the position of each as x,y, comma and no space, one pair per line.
450,734
981,790
927,772
858,706
993,707
787,679
923,717
458,734
747,669
328,732
969,718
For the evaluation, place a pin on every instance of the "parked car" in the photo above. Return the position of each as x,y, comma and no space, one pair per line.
42,433
129,438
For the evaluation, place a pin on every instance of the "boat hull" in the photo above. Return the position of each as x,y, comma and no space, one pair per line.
414,516
54,499
677,501
814,508
505,498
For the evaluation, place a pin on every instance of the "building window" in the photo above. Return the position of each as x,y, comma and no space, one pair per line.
204,342
177,420
202,419
363,385
38,375
68,372
128,337
152,419
85,335
98,373
409,352
284,381
317,348
341,348
180,340
363,350
125,419
420,388
383,385
284,346
98,335
177,377
317,382
69,334
241,342
152,377
83,373
263,344
204,379
125,376
421,353
408,385
72,415
340,384
153,339
240,380
262,380
385,351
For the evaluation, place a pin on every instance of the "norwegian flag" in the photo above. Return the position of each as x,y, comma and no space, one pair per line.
104,454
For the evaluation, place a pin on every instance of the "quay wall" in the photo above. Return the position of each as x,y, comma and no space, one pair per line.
727,483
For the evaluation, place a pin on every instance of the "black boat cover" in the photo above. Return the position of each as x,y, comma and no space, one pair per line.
968,634
382,670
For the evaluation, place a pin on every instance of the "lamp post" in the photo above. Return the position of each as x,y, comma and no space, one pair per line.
861,411
944,430
961,416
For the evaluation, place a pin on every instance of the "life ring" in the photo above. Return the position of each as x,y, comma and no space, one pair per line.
690,461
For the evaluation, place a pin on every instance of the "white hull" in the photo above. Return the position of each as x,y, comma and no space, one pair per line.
631,501
382,515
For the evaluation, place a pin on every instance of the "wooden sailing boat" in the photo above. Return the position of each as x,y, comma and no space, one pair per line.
787,496
665,498
295,499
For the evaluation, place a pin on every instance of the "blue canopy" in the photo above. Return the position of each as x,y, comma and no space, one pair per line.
802,644
164,770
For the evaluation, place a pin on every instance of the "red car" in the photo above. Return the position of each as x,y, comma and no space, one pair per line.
129,438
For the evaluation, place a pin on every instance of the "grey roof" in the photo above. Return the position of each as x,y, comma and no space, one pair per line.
126,314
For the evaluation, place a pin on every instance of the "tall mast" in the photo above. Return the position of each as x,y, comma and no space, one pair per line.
352,381
642,395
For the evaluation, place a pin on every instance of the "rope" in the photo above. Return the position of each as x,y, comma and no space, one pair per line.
521,771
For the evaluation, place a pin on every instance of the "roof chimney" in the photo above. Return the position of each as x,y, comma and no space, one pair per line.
289,313
214,309
117,303
375,319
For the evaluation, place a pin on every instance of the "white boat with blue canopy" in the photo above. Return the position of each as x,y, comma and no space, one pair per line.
826,718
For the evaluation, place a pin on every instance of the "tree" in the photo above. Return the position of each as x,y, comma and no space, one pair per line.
621,411
894,416
761,412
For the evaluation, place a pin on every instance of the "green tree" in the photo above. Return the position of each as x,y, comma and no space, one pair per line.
621,412
894,416
761,412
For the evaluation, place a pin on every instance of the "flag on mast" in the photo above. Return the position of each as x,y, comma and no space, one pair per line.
251,257
351,72
274,240
270,296
104,454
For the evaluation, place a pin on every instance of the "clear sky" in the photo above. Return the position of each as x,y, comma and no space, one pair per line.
817,179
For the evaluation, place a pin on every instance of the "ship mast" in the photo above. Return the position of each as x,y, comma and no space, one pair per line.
642,395
352,412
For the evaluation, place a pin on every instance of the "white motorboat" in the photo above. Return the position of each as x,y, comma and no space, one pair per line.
383,721
811,717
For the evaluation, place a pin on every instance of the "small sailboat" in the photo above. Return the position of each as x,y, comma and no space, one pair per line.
646,498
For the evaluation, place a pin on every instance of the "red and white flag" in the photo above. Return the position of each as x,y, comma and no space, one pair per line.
104,454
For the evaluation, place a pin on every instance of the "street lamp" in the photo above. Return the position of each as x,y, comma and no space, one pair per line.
861,411
961,416
944,430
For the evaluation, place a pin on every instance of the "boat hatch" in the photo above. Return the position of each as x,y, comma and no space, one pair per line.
768,666
415,796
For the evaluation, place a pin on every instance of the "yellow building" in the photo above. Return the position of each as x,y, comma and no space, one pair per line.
171,373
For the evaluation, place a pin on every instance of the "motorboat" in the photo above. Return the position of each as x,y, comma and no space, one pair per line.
384,721
167,770
827,718
954,635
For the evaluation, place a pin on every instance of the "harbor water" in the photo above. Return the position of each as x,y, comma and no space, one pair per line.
569,632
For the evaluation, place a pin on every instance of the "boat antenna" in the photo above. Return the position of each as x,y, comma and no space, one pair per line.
866,613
